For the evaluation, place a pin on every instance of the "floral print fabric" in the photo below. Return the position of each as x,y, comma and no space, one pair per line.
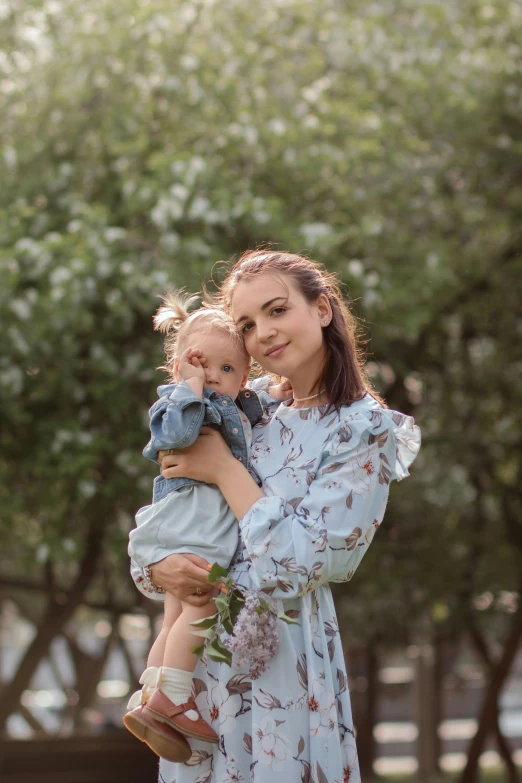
326,480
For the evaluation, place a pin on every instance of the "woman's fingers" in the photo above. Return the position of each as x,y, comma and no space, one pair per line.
184,575
163,454
168,462
195,572
204,568
197,561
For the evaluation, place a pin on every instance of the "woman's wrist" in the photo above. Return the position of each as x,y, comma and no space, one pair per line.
147,582
238,487
224,466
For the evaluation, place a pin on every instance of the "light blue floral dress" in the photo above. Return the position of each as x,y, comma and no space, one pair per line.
326,481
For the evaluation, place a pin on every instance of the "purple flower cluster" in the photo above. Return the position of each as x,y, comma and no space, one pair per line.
256,635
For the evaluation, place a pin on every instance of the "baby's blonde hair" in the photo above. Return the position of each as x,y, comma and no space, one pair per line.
176,321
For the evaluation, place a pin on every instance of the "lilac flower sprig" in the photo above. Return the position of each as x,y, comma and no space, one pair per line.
256,636
250,620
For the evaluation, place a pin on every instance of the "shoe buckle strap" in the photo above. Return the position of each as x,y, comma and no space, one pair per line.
179,708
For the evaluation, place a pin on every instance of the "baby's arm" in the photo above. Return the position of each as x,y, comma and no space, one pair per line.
191,368
177,417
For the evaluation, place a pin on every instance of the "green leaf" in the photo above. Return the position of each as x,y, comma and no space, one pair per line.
286,619
266,606
217,652
218,645
217,573
198,650
221,603
228,625
206,633
206,622
236,603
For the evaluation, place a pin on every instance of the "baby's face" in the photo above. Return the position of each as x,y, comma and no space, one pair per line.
226,367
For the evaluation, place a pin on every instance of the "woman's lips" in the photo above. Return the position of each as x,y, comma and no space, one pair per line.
275,352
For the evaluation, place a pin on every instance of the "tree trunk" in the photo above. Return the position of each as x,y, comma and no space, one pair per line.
437,706
367,710
488,713
57,615
487,659
423,710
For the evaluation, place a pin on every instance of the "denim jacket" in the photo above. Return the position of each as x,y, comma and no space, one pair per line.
177,417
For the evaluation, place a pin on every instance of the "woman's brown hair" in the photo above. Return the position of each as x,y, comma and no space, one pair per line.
343,374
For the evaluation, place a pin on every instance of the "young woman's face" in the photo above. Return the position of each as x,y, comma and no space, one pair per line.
283,332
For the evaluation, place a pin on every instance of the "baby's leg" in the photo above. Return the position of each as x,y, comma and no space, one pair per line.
173,609
171,702
149,678
181,637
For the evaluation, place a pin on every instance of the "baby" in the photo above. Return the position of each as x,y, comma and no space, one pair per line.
209,368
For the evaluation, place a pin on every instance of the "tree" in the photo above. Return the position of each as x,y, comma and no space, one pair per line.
382,138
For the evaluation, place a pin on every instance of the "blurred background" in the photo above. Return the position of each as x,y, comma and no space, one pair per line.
145,140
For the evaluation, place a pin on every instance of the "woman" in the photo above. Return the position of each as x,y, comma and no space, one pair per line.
325,459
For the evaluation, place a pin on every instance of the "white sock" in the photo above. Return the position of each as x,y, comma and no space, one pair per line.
176,684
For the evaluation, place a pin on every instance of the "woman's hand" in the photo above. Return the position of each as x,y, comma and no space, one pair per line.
205,460
281,391
181,575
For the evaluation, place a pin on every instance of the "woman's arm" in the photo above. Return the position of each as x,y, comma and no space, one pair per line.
210,460
296,546
299,545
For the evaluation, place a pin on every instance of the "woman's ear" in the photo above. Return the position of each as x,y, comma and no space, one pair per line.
324,309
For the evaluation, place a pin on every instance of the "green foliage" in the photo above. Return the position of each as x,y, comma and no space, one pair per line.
142,143
228,606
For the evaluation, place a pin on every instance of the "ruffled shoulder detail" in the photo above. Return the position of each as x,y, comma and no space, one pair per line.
407,436
366,422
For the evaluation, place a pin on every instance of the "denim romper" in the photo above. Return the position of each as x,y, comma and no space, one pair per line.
186,515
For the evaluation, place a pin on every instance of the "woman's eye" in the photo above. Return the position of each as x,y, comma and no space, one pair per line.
278,310
246,328
227,368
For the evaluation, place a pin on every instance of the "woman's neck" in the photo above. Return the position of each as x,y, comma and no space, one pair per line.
306,396
322,399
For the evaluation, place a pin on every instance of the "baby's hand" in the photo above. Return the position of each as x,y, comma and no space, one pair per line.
192,365
282,391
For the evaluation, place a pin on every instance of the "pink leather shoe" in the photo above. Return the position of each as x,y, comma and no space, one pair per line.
164,740
185,718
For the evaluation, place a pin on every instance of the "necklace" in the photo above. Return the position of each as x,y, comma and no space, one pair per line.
311,397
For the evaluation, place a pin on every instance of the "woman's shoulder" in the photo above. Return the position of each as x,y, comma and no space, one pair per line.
369,410
366,422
